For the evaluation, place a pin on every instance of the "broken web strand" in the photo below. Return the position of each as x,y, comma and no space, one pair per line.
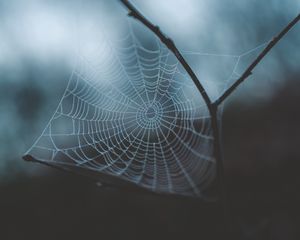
165,150
236,58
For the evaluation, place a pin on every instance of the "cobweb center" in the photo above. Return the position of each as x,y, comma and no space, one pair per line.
150,112
149,115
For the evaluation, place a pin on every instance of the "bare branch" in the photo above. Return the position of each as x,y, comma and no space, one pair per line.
133,12
264,52
212,106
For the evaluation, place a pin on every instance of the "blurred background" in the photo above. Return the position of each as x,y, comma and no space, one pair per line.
39,44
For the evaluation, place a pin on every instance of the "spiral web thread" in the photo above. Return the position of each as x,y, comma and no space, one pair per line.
130,112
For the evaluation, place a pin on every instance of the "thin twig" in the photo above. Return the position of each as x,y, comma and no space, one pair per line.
264,52
133,12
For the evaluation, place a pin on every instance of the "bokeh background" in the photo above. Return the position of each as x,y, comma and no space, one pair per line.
261,131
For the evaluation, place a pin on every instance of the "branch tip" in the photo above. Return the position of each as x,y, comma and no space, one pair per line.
28,158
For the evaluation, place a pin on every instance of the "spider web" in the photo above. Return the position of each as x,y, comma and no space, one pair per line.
131,115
